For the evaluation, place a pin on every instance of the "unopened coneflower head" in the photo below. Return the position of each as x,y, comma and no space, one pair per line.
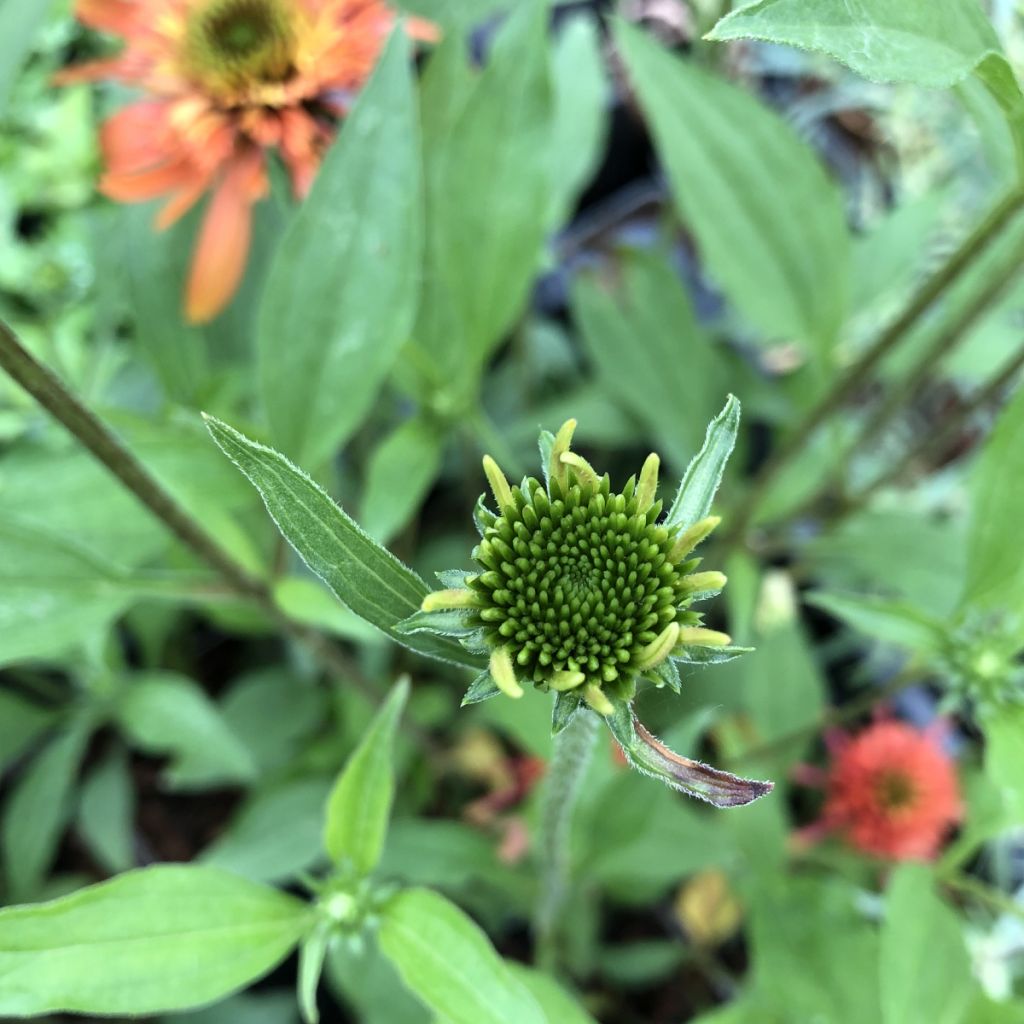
584,591
224,82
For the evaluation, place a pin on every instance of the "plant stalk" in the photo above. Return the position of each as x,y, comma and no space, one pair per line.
573,747
973,246
837,716
937,440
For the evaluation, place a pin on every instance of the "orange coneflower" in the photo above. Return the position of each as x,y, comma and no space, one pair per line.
226,81
891,791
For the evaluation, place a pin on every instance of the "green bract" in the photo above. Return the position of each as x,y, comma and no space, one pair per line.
584,592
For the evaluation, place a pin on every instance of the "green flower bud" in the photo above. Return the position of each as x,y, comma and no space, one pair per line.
579,588
582,591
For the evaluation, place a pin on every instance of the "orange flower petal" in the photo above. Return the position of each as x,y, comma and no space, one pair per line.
136,138
93,71
137,188
424,31
117,16
180,203
222,248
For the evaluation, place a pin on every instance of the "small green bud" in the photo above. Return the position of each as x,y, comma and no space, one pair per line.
504,674
499,485
584,471
698,636
647,486
701,582
689,539
595,697
449,600
562,681
562,441
659,648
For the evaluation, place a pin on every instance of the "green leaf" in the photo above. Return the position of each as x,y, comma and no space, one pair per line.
273,711
54,595
488,199
780,253
995,570
398,477
362,574
933,43
164,713
815,955
563,710
557,1006
580,120
106,812
359,806
21,722
306,600
893,622
925,970
370,986
312,953
482,688
19,23
163,938
651,355
703,475
449,963
37,811
651,757
1004,753
155,273
262,1007
342,293
275,834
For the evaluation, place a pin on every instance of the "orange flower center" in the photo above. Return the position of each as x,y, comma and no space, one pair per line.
895,791
232,46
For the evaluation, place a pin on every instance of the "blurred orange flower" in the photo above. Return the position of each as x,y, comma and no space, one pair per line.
891,791
226,81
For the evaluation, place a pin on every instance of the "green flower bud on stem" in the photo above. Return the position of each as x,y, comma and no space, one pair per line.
583,592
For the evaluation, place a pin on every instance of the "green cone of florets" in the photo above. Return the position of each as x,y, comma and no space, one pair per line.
579,589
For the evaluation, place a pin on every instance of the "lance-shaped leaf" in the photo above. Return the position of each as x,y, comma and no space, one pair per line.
170,937
650,756
781,255
342,293
360,803
363,575
703,476
449,963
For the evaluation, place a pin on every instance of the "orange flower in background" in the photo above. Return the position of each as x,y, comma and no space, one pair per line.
891,791
227,81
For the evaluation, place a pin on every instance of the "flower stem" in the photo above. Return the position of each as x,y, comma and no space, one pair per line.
69,410
969,250
572,750
968,885
836,716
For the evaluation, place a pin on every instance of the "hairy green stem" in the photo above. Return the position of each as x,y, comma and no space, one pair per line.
572,750
69,410
973,246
